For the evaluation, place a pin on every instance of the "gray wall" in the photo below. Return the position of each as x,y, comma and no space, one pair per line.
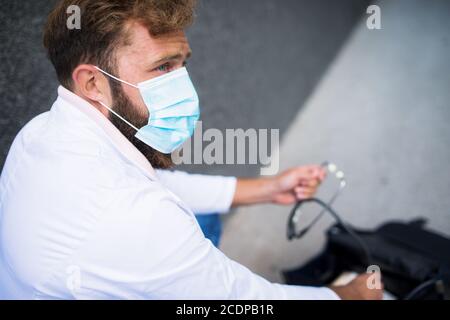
255,62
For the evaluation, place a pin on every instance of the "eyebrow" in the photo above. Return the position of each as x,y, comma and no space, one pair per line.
172,57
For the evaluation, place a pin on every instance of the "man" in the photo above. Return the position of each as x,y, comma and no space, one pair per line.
83,212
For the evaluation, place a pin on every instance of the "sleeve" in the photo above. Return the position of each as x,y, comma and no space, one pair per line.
202,193
156,250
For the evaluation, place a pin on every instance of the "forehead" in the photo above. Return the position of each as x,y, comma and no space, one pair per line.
147,48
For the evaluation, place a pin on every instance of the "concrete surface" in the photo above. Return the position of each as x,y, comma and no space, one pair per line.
382,113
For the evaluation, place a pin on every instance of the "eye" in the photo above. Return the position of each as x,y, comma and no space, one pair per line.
163,68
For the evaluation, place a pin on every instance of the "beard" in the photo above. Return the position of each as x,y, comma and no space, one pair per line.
123,106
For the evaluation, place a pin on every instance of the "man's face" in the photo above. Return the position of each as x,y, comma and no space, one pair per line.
144,58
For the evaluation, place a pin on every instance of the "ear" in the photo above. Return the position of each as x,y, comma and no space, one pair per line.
92,85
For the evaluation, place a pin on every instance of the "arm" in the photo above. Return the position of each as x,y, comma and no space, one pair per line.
207,194
202,193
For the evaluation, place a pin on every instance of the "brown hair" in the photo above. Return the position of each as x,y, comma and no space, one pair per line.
103,30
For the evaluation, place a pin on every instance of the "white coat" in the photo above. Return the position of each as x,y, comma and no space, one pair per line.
83,215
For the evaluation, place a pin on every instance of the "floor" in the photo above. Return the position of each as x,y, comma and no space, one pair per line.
381,112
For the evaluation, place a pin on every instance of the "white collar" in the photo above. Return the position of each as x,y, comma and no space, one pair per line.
122,144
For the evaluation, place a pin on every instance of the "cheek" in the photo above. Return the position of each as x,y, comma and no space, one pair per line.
135,97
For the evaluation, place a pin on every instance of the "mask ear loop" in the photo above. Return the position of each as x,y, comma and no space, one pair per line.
111,110
115,78
119,116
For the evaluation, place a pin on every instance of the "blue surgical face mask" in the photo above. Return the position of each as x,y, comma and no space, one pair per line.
173,107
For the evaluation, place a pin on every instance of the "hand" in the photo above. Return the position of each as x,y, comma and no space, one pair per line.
286,188
358,289
297,184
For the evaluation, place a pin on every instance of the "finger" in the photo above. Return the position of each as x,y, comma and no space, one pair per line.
285,198
304,193
303,189
306,189
306,172
317,172
322,174
311,183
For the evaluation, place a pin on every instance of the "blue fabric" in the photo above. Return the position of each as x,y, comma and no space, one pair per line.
211,226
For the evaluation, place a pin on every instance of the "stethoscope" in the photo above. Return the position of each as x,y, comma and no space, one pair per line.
296,213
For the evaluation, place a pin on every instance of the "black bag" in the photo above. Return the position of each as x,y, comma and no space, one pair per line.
414,262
